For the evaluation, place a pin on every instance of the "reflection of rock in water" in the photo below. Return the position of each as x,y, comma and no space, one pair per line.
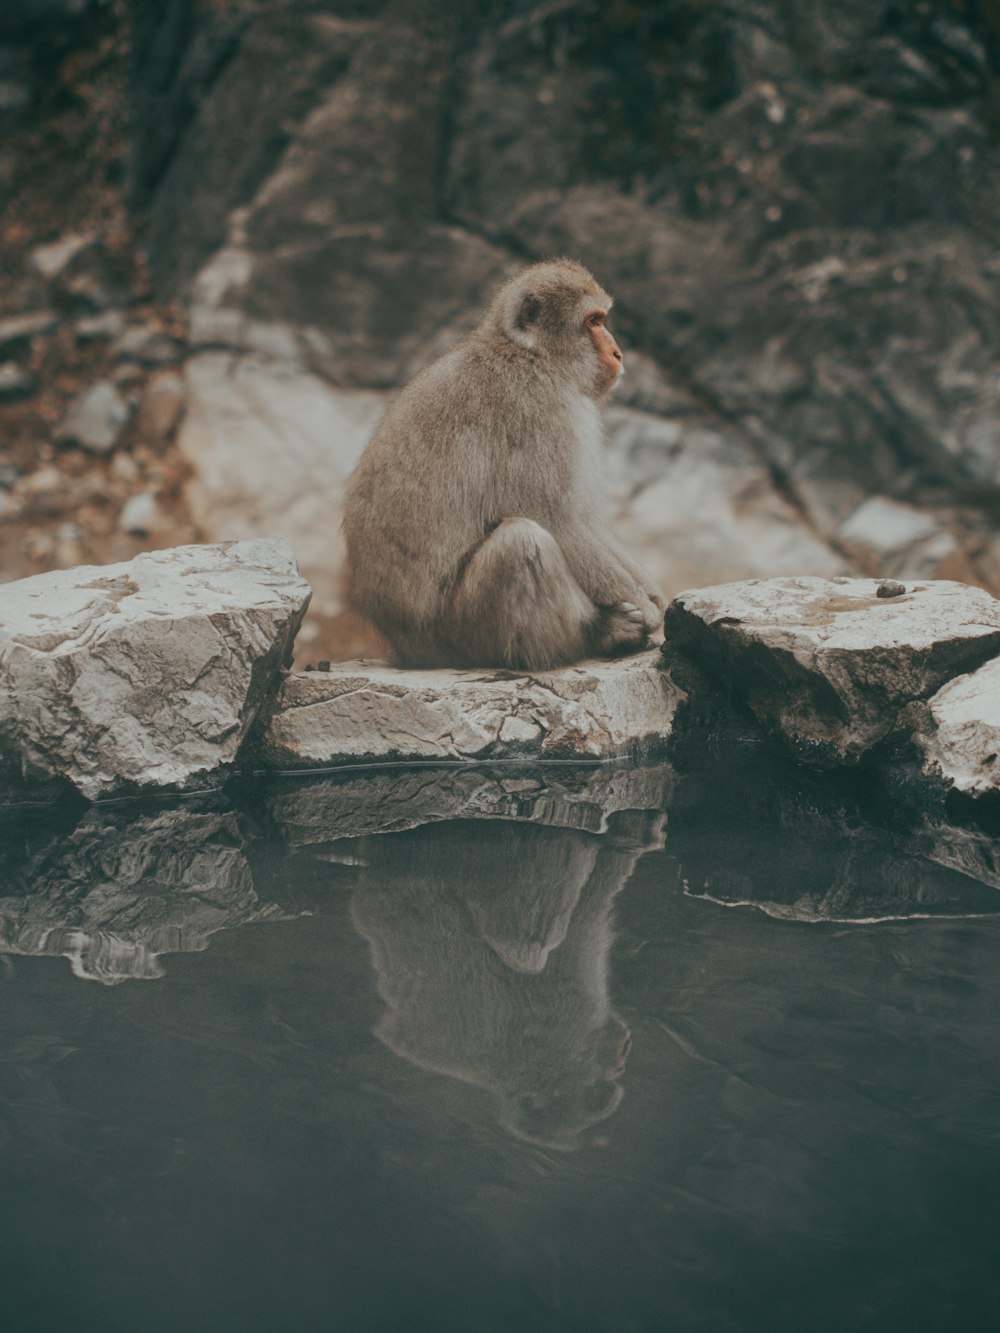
750,829
312,811
490,941
122,888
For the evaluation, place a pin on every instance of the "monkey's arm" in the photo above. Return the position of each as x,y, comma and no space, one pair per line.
606,573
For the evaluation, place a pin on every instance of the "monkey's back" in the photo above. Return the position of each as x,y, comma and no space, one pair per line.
456,452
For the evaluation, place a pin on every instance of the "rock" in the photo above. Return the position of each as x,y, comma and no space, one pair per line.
123,888
353,805
52,258
93,328
270,448
139,514
149,346
96,418
961,744
161,406
892,538
367,710
10,474
694,505
828,664
15,382
17,332
148,673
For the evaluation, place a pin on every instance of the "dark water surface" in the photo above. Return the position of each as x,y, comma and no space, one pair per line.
605,1049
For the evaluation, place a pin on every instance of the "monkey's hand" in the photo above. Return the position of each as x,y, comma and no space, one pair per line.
622,628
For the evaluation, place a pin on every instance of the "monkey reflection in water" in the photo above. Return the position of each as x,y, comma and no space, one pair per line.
490,943
473,521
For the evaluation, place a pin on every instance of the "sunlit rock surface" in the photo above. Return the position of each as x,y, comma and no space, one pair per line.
962,741
125,886
270,448
367,710
146,673
830,664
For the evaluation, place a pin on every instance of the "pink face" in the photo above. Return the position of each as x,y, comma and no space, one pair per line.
609,354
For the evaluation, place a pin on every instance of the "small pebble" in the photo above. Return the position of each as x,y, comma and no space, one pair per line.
324,666
889,589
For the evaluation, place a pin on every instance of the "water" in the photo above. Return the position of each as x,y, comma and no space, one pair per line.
602,1049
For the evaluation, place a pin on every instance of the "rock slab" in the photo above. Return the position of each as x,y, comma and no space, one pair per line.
148,673
961,741
830,664
367,710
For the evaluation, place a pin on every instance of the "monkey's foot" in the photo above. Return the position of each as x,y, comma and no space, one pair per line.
622,628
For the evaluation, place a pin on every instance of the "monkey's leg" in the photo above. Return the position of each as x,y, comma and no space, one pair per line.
517,604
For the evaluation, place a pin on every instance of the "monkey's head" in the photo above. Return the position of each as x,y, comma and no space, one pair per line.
558,311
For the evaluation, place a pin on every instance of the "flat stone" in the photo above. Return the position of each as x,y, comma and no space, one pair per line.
17,331
148,673
96,418
15,382
50,259
962,743
140,514
368,710
161,406
828,664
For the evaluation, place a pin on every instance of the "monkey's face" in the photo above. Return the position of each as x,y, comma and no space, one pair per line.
610,364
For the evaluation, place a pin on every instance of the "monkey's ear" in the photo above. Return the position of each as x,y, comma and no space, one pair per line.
522,318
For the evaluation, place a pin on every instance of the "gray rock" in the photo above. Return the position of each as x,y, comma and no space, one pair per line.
827,663
367,710
148,346
270,448
17,332
15,382
54,257
961,744
94,328
139,514
96,418
161,406
148,673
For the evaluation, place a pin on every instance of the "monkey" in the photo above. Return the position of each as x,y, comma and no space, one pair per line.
472,520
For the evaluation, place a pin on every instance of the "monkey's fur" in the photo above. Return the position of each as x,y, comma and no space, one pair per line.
473,523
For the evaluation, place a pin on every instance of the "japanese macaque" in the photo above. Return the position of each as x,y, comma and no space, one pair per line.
473,523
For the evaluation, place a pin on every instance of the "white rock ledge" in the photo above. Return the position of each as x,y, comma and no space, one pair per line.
367,710
828,663
148,673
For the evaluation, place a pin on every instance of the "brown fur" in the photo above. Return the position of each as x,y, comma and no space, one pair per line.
473,520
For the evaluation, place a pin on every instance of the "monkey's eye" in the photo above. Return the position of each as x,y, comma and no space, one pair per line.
595,319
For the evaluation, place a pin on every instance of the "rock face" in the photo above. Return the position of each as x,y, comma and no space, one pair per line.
794,205
830,664
367,710
148,673
270,448
961,744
